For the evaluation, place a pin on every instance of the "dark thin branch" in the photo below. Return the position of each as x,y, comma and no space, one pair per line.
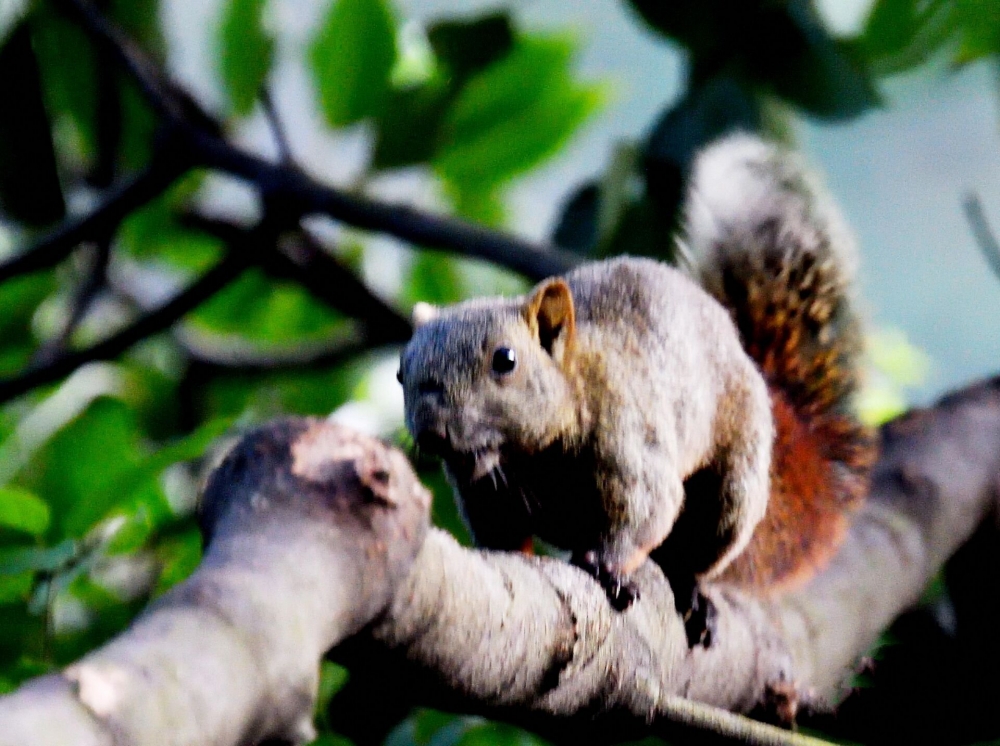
401,221
277,128
301,260
408,224
299,257
122,200
237,360
156,321
982,232
168,100
93,282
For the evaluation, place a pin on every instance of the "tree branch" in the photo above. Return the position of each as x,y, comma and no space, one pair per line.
202,135
277,129
298,256
155,321
120,202
982,232
168,100
415,226
315,534
90,287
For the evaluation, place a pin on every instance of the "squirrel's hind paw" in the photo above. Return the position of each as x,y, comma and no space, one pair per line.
698,613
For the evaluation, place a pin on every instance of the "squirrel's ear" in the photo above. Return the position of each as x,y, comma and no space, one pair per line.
422,313
549,313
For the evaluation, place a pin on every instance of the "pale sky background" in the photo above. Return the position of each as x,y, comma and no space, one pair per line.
898,173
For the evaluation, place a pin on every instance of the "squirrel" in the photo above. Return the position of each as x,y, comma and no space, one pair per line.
630,409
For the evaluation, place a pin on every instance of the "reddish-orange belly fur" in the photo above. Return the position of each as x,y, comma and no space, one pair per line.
817,480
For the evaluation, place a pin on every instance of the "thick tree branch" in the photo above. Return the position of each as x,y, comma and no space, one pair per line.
297,516
306,548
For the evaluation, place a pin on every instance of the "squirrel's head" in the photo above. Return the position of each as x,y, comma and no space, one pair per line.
489,375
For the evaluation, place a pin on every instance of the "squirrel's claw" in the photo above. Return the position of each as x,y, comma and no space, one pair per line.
700,619
620,591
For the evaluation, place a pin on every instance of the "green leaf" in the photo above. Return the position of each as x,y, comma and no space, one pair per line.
179,556
408,129
78,469
138,128
513,115
19,299
148,511
16,588
408,126
802,63
29,182
332,678
140,19
464,47
153,231
282,393
890,27
499,734
69,77
434,279
23,511
979,21
901,34
258,308
246,53
352,58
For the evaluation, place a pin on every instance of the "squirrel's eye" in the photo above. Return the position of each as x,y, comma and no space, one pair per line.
504,360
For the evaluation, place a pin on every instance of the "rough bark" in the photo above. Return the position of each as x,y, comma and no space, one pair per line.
315,534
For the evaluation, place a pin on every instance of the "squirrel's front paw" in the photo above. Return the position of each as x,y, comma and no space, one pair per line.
621,592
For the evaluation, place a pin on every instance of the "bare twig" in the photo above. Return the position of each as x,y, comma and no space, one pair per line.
299,257
122,200
171,102
277,128
243,358
982,232
401,221
90,287
195,294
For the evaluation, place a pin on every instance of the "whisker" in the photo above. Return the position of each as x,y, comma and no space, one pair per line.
503,477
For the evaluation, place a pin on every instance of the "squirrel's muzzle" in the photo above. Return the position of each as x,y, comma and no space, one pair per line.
432,440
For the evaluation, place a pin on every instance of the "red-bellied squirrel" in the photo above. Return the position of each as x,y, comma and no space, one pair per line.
630,409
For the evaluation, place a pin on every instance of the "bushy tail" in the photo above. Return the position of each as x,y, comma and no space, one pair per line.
768,243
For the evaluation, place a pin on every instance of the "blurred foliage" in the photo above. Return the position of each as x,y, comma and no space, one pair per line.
100,471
